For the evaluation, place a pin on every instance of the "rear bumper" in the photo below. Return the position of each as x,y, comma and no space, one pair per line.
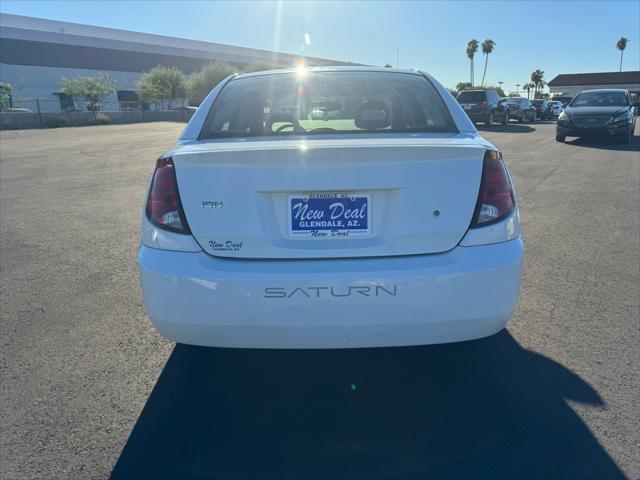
478,116
467,293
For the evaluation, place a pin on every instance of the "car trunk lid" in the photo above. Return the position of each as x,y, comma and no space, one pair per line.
412,195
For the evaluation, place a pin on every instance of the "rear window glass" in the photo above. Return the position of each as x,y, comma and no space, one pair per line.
600,99
326,103
472,97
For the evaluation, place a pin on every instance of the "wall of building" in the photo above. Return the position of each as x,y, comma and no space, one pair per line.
36,53
31,82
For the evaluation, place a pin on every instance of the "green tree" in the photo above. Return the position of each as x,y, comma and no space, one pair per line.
472,49
621,45
537,78
528,86
6,100
203,81
487,47
92,90
463,86
497,89
164,84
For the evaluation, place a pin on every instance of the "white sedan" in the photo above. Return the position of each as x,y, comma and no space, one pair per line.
390,222
556,108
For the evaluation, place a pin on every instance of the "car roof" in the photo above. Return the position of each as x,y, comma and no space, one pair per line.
483,90
329,69
606,90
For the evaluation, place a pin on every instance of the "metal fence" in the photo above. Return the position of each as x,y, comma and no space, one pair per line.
52,113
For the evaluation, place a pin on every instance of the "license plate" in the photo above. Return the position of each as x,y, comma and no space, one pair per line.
329,215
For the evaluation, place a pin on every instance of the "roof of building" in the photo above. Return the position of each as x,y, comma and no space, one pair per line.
36,41
602,78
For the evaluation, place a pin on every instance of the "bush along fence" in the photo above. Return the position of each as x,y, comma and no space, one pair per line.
39,114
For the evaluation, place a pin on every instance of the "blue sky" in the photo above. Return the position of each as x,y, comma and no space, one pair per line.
555,36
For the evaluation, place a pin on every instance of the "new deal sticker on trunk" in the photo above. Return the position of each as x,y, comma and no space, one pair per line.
329,215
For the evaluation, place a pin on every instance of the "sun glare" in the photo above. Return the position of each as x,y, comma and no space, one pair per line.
301,69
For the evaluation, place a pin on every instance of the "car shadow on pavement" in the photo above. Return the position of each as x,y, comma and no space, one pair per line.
606,144
511,128
487,408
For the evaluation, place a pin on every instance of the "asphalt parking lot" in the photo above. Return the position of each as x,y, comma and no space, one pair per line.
90,390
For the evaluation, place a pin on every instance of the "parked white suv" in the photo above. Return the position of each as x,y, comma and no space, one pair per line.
391,223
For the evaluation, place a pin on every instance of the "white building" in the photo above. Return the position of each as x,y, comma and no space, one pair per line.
36,53
570,84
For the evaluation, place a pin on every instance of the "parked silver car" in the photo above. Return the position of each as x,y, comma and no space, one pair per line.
556,108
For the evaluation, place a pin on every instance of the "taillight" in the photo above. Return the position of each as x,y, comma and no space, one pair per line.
484,105
495,200
164,208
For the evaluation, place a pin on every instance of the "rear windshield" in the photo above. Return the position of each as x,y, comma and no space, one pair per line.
601,99
326,103
472,96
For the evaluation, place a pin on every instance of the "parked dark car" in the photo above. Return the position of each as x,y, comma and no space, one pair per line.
484,106
543,109
608,113
521,109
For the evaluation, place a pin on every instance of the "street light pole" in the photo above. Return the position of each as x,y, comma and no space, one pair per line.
517,87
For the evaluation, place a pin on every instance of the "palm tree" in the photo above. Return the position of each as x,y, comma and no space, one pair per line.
528,87
537,78
541,86
621,45
487,48
472,49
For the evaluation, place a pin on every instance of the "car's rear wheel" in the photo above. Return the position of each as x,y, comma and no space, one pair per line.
560,138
